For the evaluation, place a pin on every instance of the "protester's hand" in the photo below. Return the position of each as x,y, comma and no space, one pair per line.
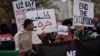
0,41
82,27
12,38
44,34
76,38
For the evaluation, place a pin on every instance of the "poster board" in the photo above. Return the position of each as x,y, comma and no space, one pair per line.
44,20
83,13
20,8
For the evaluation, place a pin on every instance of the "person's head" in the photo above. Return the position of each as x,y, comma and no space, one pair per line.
68,23
90,30
96,19
79,27
28,25
13,21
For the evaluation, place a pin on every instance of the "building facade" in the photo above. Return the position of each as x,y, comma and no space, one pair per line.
66,8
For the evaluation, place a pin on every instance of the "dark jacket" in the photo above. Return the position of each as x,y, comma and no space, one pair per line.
13,29
82,36
97,25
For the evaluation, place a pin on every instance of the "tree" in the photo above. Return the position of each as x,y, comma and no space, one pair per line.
97,7
46,4
7,7
6,10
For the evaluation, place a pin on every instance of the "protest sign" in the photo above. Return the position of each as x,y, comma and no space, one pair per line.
44,20
63,30
20,8
25,41
83,13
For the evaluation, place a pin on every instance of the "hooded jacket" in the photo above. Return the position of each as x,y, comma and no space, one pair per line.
35,38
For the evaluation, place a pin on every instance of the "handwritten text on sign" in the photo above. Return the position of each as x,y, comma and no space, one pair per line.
20,9
45,19
83,13
40,25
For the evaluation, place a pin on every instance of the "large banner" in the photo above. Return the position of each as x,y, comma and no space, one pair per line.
20,9
71,48
25,41
44,20
83,13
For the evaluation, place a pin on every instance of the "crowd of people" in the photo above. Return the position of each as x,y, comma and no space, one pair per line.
9,34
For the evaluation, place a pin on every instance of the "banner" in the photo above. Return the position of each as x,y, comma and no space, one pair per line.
25,41
71,48
9,53
44,20
20,8
63,30
83,13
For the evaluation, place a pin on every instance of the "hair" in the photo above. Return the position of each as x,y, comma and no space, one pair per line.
67,21
4,29
90,28
26,22
97,16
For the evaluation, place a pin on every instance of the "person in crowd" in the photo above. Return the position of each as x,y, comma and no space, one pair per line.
13,27
63,38
97,24
27,27
45,38
6,39
92,33
53,36
80,32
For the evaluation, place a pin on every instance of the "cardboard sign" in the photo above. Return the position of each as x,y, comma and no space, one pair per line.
44,20
20,9
25,41
83,13
62,30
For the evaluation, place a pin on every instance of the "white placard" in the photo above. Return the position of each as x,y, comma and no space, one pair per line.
83,13
44,20
62,30
20,9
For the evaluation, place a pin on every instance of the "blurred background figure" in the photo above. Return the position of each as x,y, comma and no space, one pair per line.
13,27
92,33
63,38
80,32
6,38
97,24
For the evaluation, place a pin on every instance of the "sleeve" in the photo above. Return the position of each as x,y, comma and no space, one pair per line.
35,39
16,42
57,39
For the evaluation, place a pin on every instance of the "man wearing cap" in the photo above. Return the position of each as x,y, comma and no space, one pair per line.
27,27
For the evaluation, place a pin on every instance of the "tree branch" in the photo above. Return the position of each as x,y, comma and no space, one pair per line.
4,5
4,8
